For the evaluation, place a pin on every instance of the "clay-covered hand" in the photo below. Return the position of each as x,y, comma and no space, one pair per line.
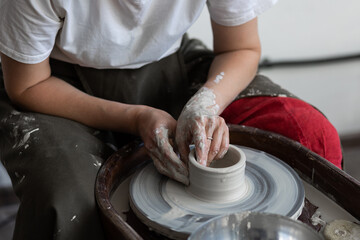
200,124
157,128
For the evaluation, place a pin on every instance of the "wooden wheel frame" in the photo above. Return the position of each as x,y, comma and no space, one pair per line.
312,168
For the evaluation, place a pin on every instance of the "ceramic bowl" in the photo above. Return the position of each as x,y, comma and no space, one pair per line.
254,226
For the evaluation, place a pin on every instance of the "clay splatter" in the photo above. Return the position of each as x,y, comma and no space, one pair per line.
20,177
97,162
57,233
27,136
23,127
254,92
219,77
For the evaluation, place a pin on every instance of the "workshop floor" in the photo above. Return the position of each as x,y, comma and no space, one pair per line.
9,203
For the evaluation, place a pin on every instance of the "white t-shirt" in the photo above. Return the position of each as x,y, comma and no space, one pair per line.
109,33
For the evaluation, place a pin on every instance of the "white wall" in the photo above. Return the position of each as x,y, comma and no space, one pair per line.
307,29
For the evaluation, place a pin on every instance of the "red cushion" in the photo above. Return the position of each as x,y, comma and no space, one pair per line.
289,117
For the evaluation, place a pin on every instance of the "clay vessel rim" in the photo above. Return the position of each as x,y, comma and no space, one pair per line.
237,165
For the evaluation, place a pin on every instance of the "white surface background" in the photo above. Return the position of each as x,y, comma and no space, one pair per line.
308,29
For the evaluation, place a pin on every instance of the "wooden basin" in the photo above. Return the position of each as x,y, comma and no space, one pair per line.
312,168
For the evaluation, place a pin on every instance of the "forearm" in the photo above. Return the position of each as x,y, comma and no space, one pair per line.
56,97
32,87
238,51
230,73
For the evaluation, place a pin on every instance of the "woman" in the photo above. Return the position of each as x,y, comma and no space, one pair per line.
83,77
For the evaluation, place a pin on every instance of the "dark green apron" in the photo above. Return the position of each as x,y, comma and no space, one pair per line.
53,161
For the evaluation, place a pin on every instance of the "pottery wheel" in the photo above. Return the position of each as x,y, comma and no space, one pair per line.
165,205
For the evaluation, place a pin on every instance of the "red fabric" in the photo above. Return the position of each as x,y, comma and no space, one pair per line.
289,117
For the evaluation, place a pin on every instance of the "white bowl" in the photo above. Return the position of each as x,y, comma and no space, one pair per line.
254,226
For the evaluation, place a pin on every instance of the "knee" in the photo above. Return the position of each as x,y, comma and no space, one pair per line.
312,129
57,204
18,128
44,151
294,119
45,136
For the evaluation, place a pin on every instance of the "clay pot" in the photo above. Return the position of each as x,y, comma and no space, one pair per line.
223,181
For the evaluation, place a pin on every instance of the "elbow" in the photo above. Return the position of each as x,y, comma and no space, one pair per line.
21,79
20,95
16,97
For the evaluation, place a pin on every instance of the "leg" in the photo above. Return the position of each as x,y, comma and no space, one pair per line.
52,163
290,117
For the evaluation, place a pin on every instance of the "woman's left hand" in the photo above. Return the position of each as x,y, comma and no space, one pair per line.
199,124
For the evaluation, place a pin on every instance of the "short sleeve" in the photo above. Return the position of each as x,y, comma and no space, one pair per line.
28,29
237,12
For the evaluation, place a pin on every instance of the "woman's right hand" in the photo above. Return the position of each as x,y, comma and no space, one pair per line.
157,130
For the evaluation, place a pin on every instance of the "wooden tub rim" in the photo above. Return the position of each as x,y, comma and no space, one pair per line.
312,168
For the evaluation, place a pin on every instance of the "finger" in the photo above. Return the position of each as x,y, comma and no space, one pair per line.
211,124
224,144
172,160
183,138
171,138
184,179
174,145
215,144
184,152
157,152
158,163
167,150
163,168
174,167
177,170
182,146
201,145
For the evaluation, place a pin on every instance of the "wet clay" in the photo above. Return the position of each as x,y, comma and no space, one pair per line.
170,209
223,181
227,161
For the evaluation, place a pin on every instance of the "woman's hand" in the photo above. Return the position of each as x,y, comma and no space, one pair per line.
199,124
238,51
157,129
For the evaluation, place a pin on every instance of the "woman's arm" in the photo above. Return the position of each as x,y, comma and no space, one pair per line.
237,52
31,87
